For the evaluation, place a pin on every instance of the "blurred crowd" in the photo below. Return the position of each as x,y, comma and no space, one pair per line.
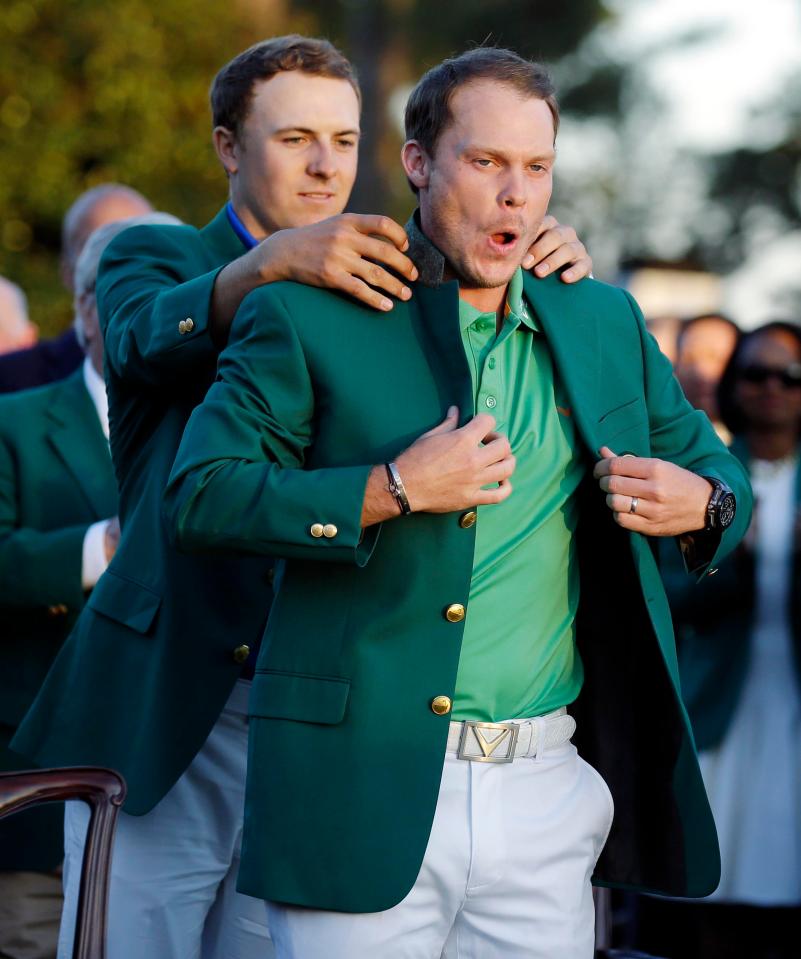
738,632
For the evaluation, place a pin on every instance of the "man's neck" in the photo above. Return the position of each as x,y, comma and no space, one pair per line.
247,218
486,299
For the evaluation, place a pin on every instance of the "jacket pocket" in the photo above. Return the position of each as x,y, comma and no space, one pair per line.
125,601
298,696
621,419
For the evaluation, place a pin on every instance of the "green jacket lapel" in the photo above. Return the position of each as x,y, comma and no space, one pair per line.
77,439
571,328
441,338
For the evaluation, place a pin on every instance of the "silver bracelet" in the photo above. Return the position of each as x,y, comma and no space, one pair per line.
397,489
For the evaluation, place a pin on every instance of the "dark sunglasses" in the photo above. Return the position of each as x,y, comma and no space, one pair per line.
788,376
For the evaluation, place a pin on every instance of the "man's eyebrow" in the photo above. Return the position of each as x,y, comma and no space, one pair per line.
500,152
314,133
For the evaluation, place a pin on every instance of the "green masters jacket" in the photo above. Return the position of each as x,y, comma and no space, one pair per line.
55,481
713,623
148,668
346,753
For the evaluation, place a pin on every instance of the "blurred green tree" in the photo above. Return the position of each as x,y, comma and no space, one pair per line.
92,92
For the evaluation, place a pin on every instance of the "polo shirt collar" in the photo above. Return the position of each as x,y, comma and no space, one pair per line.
246,237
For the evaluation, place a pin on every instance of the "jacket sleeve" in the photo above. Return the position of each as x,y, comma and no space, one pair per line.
685,436
153,306
37,568
238,482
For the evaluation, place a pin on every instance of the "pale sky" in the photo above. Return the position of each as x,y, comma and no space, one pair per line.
714,85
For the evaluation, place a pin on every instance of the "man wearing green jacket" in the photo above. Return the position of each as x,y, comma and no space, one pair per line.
160,653
58,530
452,585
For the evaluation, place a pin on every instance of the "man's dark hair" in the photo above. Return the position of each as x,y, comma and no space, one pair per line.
730,412
428,112
232,90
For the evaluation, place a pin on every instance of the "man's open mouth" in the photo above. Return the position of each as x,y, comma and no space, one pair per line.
503,240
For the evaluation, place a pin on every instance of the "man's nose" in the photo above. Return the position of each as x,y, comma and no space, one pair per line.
322,162
513,194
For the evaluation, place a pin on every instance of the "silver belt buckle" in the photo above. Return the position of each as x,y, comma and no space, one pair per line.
475,746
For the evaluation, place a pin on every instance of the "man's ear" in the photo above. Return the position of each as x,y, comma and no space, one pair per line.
416,164
226,148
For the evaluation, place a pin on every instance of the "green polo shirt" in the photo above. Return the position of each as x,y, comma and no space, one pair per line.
519,656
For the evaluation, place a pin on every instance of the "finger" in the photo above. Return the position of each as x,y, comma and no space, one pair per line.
602,466
636,467
385,253
546,243
626,486
359,290
548,223
497,494
494,451
619,503
498,472
581,268
383,226
377,277
448,424
634,522
567,253
479,427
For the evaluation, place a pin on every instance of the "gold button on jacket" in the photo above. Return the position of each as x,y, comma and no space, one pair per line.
330,531
316,530
454,613
241,653
466,520
441,705
182,327
189,324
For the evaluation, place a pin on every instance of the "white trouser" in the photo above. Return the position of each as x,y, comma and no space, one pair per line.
174,870
506,873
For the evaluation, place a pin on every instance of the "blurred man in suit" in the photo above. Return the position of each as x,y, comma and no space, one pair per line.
34,364
58,531
16,330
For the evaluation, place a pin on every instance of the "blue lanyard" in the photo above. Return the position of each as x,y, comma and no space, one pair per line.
239,228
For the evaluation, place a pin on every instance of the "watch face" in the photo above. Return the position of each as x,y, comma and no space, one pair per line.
726,510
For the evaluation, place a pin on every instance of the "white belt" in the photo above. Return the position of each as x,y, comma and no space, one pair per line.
505,742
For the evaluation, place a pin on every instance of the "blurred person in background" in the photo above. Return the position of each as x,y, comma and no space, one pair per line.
58,532
16,330
703,348
739,636
35,363
165,651
665,330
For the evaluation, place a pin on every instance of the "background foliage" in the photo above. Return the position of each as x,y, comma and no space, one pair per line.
92,92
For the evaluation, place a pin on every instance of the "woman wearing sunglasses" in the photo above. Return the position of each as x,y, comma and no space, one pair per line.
739,638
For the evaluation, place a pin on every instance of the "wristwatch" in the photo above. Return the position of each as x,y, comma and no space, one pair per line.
721,507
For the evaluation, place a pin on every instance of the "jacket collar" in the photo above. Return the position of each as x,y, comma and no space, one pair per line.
428,259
